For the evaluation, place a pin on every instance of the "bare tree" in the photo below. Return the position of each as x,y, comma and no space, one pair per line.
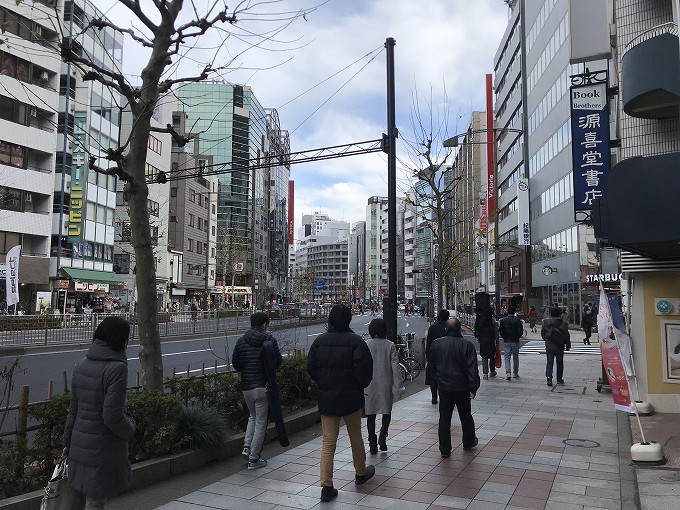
167,36
433,185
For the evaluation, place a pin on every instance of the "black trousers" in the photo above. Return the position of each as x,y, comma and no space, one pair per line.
447,401
370,423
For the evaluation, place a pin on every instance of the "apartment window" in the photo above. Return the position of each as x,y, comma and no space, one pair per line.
173,219
190,244
192,196
199,248
191,220
154,208
173,192
200,223
123,231
155,144
12,154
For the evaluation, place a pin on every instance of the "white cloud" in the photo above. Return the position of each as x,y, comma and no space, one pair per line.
439,43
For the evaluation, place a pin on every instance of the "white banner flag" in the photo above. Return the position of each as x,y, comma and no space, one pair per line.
12,275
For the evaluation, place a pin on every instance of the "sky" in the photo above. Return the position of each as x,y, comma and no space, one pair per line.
322,65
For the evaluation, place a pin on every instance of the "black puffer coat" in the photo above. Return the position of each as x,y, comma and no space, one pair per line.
342,366
97,430
436,330
247,358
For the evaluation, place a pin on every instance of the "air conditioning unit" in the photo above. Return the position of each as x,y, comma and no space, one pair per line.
28,196
43,76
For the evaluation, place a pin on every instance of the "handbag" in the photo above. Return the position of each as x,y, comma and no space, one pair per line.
499,359
58,494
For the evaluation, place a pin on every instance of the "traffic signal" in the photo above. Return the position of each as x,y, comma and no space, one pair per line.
417,271
309,277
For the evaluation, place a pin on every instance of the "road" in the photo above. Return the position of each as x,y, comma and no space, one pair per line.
180,354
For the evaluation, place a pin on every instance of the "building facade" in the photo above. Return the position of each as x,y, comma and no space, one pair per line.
375,211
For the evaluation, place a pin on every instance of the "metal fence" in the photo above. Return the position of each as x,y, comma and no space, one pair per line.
27,330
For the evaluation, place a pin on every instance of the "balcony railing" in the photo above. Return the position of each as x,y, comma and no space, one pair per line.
665,28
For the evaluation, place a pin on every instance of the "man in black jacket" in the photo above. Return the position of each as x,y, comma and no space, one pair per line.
511,330
453,361
341,364
436,330
247,359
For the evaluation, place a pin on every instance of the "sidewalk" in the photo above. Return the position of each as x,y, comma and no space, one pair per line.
561,447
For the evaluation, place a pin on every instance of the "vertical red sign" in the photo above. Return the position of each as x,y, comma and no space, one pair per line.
490,148
291,212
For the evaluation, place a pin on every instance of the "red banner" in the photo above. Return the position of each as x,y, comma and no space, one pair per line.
611,355
490,148
291,212
483,218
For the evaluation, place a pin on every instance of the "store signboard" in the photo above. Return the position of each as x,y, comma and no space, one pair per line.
90,287
523,226
79,166
590,142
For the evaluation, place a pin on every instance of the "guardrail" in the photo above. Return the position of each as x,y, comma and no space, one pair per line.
35,330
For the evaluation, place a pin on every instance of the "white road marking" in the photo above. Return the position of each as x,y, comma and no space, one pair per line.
178,353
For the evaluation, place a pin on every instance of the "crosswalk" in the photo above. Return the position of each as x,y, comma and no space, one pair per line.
538,347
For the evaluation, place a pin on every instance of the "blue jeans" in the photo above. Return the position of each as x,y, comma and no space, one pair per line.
511,349
559,356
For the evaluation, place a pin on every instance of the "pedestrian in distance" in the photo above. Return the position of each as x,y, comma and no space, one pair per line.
486,332
248,360
511,330
97,429
385,385
532,315
341,364
557,340
436,330
453,361
587,321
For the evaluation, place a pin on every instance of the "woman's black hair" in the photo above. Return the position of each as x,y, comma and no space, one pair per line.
339,317
378,328
113,330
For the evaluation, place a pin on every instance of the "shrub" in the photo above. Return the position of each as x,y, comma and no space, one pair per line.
47,443
202,428
16,475
296,389
155,416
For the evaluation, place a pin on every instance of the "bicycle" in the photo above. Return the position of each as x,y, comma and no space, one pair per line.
410,367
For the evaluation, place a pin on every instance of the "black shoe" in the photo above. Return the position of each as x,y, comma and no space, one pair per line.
328,494
381,441
560,381
474,443
507,377
492,374
373,444
446,455
434,401
360,480
549,381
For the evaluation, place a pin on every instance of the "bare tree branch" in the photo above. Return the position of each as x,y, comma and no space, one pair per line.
100,23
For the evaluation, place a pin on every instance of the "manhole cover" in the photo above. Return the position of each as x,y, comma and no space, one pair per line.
581,443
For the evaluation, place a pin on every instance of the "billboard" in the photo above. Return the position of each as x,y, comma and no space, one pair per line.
589,30
78,175
291,212
523,225
590,141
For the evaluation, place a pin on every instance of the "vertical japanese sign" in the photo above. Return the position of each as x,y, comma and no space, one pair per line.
78,168
523,228
12,275
483,217
590,142
611,349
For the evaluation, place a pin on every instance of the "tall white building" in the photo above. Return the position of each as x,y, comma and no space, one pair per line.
375,210
312,224
30,71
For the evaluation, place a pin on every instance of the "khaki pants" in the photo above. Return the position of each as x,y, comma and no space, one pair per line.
330,426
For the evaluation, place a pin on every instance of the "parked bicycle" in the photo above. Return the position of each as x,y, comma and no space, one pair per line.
410,367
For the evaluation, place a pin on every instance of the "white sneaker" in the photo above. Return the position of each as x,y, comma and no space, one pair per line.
246,452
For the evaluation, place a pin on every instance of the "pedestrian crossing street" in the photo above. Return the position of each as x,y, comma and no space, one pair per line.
538,347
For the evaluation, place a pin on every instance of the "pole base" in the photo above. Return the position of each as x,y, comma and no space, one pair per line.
643,408
647,453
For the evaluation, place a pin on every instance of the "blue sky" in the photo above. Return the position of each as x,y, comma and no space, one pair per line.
443,50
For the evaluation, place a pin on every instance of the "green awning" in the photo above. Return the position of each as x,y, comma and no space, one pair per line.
89,275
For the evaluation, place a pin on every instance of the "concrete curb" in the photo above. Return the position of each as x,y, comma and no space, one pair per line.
152,471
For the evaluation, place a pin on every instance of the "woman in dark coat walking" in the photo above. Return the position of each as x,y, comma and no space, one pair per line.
486,332
97,430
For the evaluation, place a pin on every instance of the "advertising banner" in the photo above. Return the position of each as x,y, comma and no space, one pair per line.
523,228
79,165
490,148
291,212
611,349
12,275
590,142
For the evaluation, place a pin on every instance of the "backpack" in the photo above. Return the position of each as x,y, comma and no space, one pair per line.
555,335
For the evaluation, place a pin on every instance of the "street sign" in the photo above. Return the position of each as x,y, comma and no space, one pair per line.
319,283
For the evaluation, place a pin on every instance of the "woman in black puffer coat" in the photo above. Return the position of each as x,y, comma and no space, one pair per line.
486,332
97,430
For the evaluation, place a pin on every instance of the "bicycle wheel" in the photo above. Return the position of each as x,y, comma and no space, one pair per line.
413,368
404,373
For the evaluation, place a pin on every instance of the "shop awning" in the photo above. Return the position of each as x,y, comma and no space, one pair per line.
89,275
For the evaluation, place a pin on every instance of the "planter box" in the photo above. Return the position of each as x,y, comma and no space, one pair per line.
152,471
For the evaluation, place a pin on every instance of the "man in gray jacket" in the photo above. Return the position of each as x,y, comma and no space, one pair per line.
453,361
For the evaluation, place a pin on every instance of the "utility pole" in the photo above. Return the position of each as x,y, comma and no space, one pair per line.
390,311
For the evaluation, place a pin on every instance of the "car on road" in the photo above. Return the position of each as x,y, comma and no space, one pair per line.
275,312
309,310
291,309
